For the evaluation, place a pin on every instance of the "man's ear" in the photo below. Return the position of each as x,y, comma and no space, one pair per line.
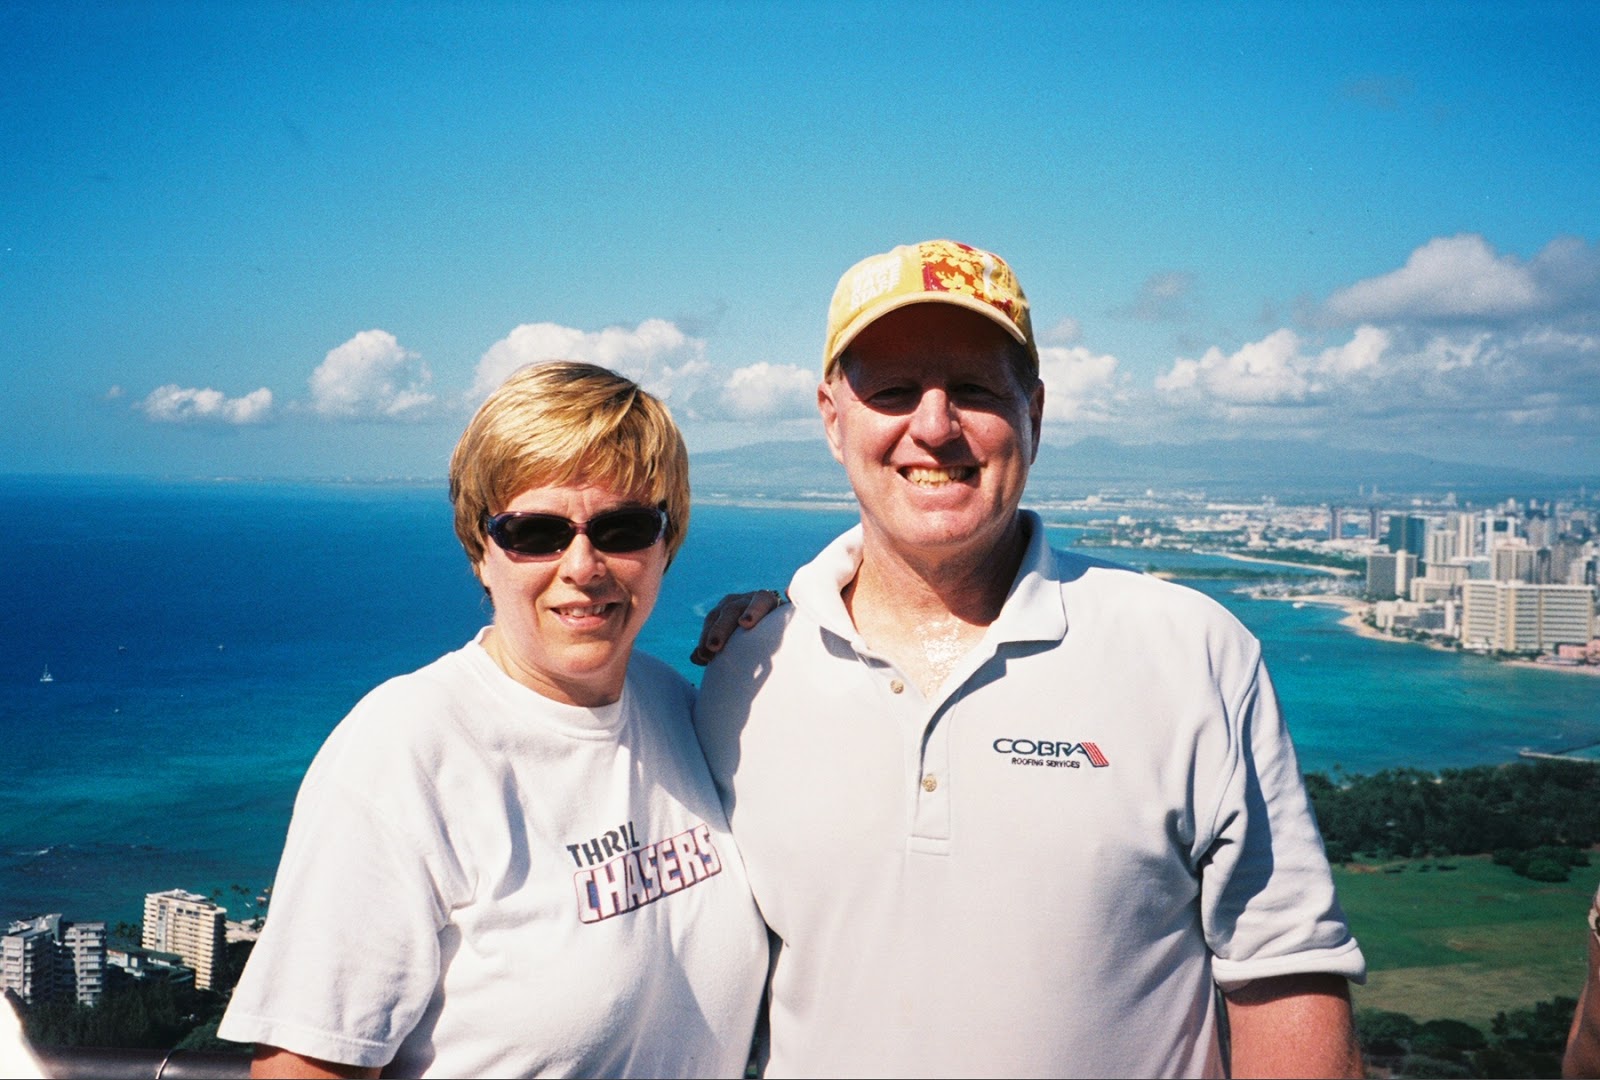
1036,416
830,414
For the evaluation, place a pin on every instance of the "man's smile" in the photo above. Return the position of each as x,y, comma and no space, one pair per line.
923,476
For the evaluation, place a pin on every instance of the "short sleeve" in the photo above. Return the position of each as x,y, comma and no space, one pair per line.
350,957
1267,899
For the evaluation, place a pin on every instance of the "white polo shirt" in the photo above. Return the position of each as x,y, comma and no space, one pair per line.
1044,870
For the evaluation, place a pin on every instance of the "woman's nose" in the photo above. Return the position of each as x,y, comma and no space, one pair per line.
581,562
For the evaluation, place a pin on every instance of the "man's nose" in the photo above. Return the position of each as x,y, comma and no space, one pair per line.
935,420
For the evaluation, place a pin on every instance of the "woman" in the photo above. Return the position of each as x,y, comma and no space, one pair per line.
512,862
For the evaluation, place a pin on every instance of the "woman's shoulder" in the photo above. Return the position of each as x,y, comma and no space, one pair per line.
407,718
653,677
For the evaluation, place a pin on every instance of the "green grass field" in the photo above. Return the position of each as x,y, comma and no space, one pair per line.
1465,943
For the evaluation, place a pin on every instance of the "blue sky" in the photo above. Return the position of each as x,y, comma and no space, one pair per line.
301,239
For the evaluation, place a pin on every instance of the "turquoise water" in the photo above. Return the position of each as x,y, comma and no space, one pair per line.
205,637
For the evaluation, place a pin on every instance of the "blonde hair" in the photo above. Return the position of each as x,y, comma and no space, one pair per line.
551,423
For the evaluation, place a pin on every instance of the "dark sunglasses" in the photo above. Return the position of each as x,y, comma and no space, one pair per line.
615,532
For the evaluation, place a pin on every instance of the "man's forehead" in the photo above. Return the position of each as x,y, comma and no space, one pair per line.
929,338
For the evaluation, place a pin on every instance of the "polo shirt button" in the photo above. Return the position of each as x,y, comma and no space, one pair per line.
896,686
929,783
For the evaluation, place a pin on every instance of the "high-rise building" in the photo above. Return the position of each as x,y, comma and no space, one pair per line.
1514,616
1389,574
1540,529
27,958
1515,561
1335,522
1453,572
1408,533
1374,523
1568,559
189,925
85,946
46,959
1439,547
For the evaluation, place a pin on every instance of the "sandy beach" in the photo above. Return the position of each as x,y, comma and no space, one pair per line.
1335,571
1354,608
1576,669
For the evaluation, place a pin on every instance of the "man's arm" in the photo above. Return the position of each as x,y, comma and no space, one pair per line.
1293,1025
271,1062
1582,1057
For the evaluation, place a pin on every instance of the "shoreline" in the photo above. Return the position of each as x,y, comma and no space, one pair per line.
1316,568
1354,608
1591,670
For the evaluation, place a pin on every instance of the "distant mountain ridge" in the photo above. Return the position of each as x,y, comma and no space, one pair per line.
1243,468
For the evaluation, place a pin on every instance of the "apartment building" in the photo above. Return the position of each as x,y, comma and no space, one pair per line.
1518,561
1513,616
190,926
46,959
1389,574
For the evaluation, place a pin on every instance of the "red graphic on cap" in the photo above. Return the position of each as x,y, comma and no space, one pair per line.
954,267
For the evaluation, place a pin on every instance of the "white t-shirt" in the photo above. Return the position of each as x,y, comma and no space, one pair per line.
479,881
16,1056
1044,870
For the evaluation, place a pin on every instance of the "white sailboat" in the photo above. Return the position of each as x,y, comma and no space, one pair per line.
47,677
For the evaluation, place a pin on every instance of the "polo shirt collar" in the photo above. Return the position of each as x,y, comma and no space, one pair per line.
1033,610
815,588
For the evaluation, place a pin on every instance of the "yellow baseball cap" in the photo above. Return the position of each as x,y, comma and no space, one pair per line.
934,271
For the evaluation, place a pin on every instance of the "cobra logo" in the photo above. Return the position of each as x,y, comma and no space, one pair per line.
1032,751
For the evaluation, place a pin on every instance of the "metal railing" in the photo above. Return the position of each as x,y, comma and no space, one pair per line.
91,1062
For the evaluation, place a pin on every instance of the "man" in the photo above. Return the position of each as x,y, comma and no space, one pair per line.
1008,811
1582,1055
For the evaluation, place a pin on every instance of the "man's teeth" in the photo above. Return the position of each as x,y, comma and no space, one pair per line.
938,476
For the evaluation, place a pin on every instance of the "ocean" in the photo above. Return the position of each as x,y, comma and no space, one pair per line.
203,638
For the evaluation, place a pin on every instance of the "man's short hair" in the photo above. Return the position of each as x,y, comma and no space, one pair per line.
552,423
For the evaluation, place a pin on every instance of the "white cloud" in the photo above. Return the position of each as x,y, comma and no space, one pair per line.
1065,332
371,375
1404,386
684,387
1464,278
1265,371
1461,351
1361,353
176,404
770,391
656,354
1079,385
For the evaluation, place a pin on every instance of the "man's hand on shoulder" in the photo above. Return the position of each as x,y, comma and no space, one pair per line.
734,611
1293,1025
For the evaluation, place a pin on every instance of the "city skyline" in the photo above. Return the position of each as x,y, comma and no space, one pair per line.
277,239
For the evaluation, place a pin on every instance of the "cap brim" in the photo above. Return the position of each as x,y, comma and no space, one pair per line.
872,313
